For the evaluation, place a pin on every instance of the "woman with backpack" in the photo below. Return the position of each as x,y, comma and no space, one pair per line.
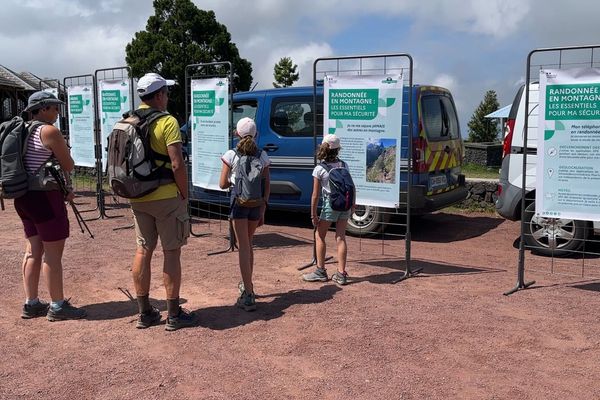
43,213
328,155
246,170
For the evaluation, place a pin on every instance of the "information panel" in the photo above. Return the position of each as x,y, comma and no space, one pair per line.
114,101
568,157
365,112
81,124
210,130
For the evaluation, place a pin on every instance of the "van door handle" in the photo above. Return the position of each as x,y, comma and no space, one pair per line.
270,147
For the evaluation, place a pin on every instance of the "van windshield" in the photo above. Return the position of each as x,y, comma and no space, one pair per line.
439,118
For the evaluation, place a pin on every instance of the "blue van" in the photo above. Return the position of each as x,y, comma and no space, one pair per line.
284,118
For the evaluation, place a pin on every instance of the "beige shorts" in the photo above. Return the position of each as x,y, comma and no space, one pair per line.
166,218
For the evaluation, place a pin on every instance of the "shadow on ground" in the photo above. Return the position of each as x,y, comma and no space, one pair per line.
120,309
227,317
427,268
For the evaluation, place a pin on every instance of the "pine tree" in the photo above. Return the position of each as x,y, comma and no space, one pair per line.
179,34
483,129
285,73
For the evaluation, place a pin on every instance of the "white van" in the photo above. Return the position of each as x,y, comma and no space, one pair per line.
546,236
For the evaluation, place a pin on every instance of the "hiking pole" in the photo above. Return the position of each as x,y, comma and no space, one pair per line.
56,173
2,204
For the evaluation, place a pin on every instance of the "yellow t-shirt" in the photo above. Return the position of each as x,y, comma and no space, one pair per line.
165,132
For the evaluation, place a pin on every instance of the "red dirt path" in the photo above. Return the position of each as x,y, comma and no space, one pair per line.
447,334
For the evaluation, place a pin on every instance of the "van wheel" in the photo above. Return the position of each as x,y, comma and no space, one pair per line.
553,236
367,221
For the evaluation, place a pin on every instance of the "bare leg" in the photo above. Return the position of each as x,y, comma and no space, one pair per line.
53,270
322,229
241,229
32,266
252,225
172,272
141,271
340,239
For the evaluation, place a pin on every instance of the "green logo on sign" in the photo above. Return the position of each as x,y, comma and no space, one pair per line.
389,80
76,104
356,104
203,103
111,101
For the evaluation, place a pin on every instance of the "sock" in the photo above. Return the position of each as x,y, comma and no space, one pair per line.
173,307
144,303
57,304
31,302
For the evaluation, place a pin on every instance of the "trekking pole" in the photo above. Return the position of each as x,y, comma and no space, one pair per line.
2,204
55,171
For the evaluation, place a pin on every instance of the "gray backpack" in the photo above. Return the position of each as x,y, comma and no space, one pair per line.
248,185
14,179
131,164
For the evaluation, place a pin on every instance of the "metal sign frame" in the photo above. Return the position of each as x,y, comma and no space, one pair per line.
405,167
558,61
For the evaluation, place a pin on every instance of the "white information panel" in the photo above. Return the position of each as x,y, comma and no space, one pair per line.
81,124
568,157
365,112
210,130
114,101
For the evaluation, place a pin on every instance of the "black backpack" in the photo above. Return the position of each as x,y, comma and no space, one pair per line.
131,165
14,179
341,186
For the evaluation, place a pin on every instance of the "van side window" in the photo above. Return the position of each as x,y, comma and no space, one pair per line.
245,109
439,118
293,117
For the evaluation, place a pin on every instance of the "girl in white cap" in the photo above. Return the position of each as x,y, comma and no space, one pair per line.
328,155
246,214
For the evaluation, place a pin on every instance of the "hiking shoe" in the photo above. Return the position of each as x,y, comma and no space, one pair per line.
66,311
320,274
184,319
340,278
148,318
246,301
38,309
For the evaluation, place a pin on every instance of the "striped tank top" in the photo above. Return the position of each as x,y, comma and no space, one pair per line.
36,154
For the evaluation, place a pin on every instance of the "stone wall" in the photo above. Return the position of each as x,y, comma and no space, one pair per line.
482,194
485,154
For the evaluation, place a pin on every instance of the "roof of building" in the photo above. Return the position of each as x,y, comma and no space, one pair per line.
11,79
35,81
500,113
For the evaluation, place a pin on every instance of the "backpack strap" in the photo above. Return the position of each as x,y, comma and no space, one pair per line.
148,116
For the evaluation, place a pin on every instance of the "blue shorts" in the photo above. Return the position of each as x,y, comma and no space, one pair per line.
331,215
249,213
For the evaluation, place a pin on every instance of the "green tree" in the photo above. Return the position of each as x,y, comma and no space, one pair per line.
483,129
179,34
285,73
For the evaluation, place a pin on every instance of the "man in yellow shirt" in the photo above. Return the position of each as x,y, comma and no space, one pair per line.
162,213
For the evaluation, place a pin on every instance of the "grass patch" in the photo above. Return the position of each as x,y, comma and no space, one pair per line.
479,171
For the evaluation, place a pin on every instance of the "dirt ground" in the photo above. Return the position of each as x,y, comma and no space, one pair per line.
447,334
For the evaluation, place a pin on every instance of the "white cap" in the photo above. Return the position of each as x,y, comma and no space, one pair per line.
332,140
246,127
151,82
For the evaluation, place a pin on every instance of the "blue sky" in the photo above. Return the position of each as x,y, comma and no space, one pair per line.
468,46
